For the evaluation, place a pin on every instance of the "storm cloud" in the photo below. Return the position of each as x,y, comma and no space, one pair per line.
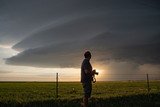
105,47
125,31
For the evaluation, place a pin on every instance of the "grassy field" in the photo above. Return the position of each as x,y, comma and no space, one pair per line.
105,94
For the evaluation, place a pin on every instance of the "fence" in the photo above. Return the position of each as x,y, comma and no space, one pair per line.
116,77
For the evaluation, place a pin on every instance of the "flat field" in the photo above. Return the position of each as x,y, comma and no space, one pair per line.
104,94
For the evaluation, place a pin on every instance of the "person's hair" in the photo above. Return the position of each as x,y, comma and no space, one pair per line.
87,54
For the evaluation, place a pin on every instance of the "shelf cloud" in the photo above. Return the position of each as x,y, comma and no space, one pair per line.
55,33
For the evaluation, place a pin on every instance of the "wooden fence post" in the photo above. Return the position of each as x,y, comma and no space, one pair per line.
56,85
148,83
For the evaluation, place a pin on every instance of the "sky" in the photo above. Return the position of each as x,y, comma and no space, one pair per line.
39,38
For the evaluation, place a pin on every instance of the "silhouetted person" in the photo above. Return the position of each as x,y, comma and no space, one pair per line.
86,77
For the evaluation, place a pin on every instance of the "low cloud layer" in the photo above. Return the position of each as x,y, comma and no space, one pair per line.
105,47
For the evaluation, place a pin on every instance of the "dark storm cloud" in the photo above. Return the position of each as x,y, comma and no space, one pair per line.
60,31
105,47
59,55
127,20
20,18
73,30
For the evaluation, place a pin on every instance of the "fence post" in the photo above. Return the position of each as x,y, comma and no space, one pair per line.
56,85
148,83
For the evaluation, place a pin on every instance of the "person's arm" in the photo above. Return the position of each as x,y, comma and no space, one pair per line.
87,71
87,68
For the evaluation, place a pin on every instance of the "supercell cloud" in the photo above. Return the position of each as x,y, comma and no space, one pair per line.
55,33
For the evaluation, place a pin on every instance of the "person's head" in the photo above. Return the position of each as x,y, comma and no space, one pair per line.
87,55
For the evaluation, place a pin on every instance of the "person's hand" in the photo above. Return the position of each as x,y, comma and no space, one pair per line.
93,72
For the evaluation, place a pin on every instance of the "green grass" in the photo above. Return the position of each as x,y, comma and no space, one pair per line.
111,94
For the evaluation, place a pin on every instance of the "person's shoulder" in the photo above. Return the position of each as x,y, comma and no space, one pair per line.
85,60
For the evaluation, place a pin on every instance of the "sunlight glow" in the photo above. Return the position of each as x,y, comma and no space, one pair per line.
5,46
100,74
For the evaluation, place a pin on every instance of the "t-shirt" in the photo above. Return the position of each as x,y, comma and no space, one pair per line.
86,78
